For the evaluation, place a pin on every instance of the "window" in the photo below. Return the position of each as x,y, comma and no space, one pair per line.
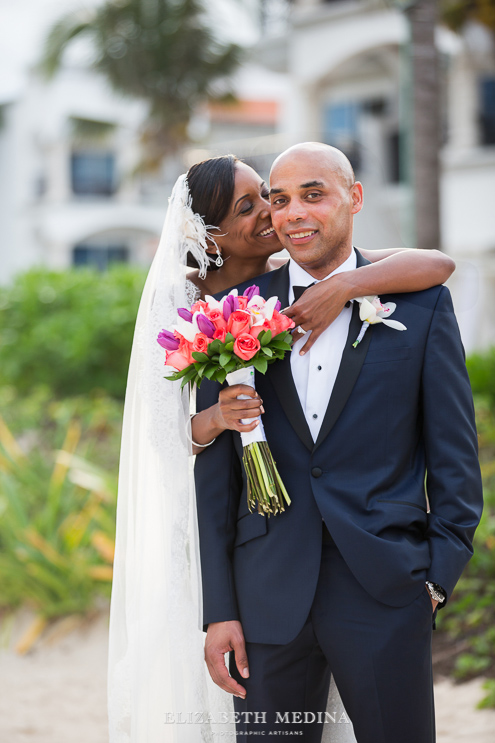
99,257
93,173
341,122
487,116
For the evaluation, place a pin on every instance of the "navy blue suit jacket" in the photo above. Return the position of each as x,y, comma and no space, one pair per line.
400,423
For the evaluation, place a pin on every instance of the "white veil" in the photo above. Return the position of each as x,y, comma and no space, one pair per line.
159,690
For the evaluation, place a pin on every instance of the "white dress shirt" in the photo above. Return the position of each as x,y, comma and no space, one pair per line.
314,373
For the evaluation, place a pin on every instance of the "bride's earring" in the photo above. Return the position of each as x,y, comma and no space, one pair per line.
219,260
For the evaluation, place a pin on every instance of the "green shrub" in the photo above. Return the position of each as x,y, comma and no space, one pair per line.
71,331
470,614
481,368
57,526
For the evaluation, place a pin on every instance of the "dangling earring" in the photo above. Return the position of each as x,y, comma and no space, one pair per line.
219,260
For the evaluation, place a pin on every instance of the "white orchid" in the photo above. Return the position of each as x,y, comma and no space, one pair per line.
186,329
261,312
372,312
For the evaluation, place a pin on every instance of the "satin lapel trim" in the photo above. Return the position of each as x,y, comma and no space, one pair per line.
349,370
280,374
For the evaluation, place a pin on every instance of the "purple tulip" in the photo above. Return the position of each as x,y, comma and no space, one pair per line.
278,305
229,307
205,325
185,314
251,292
167,340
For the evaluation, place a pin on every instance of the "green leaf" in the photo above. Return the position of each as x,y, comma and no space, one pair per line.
267,352
229,346
260,364
267,336
199,356
220,375
210,370
225,358
229,338
231,366
214,347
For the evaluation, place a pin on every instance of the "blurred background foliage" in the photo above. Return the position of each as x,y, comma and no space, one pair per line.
70,331
65,340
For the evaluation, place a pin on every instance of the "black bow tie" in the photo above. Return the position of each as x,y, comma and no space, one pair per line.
299,291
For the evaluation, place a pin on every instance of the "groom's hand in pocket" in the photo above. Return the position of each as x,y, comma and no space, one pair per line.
222,637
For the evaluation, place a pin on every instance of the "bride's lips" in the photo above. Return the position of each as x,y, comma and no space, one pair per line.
301,236
266,232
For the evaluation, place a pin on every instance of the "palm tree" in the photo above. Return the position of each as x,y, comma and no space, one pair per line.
162,51
455,13
423,15
425,87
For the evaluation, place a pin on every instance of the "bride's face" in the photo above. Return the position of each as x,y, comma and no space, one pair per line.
247,229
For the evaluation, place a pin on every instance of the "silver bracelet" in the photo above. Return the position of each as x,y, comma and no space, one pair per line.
200,446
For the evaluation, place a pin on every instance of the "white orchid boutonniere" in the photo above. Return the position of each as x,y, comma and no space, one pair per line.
372,312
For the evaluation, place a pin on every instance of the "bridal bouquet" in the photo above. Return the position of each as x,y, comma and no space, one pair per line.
226,340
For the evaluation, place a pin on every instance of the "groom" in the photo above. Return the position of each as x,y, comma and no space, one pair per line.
347,580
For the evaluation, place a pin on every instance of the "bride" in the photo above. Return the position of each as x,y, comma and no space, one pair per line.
219,220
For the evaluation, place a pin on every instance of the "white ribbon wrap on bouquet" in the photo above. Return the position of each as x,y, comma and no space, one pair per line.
246,376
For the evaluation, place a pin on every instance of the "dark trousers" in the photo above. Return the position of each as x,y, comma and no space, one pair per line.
380,657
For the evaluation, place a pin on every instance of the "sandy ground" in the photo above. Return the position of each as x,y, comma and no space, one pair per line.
57,692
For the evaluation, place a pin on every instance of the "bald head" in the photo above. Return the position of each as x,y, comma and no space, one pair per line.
314,197
327,156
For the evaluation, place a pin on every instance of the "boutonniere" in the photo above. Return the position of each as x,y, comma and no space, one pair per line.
372,312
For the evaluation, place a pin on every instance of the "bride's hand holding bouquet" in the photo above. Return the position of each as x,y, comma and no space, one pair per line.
226,340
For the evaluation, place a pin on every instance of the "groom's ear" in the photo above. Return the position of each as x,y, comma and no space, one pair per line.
357,197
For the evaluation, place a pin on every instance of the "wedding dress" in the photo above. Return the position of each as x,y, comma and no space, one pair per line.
159,689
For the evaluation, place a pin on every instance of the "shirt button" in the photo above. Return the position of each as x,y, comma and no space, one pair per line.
319,368
314,415
316,472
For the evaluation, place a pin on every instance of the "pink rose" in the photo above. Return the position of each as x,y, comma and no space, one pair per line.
200,343
217,318
282,322
185,349
243,302
198,305
256,329
177,360
220,334
238,323
245,346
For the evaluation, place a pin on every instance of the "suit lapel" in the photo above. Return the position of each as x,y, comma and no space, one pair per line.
280,374
350,367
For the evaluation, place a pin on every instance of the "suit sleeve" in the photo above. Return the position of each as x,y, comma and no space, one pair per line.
218,477
453,478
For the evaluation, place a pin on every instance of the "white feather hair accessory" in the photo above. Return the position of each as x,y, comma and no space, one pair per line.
192,230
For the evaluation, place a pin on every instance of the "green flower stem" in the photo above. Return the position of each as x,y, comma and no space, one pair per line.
265,486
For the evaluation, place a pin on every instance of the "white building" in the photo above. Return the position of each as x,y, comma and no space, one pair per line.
344,63
70,194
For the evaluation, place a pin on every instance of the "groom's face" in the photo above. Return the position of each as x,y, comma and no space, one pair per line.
313,203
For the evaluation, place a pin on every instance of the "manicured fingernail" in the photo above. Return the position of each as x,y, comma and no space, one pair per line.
262,409
257,423
245,673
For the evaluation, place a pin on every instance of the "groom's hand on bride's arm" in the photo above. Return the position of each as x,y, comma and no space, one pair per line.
222,637
318,307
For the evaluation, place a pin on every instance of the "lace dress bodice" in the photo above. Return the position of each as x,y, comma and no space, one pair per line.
192,292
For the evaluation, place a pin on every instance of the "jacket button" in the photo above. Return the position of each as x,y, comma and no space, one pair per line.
316,472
